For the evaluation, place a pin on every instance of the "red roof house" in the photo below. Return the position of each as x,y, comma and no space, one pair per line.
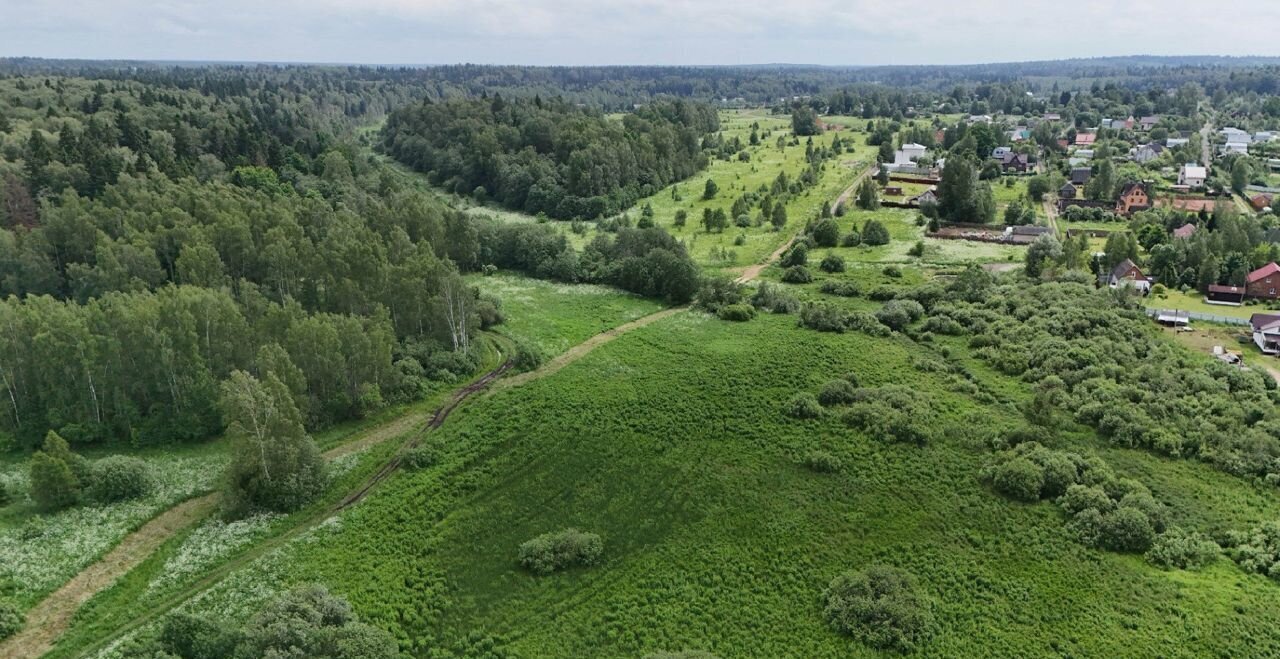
1085,139
1185,231
1264,282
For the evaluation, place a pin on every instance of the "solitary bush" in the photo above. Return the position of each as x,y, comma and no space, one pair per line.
1019,478
840,288
804,405
1184,550
874,233
822,317
10,619
836,392
556,551
897,314
193,636
422,456
822,462
832,263
797,274
891,271
737,312
797,255
53,486
310,622
851,239
119,477
774,299
528,356
1127,529
880,607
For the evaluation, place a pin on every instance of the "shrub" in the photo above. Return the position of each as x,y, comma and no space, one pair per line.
874,233
836,392
1019,478
822,317
797,274
737,312
822,462
1258,550
5,496
774,299
556,551
804,405
1079,498
840,288
880,607
193,636
832,263
119,477
11,620
897,314
892,272
53,486
1148,506
851,239
797,255
882,294
310,622
1128,530
528,356
826,233
422,456
1183,550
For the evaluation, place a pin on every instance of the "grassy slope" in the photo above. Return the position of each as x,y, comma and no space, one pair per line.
669,443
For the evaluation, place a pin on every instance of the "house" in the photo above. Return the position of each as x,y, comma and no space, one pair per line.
1063,143
1133,198
1185,231
1148,152
1173,318
1266,332
1121,124
1127,273
1147,123
1260,202
1175,141
1086,139
1052,116
979,118
1233,295
1067,191
1192,175
1264,136
926,197
1232,134
1084,154
1018,162
914,151
1241,148
1081,175
1264,282
1000,152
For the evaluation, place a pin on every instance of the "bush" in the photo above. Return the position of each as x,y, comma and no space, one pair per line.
836,392
774,299
310,622
1128,530
822,317
550,552
892,272
119,477
916,249
832,263
797,255
826,233
897,314
5,496
840,288
822,462
737,312
797,274
11,619
422,456
53,486
1079,498
851,239
874,233
880,607
528,356
804,405
1183,550
1019,478
193,636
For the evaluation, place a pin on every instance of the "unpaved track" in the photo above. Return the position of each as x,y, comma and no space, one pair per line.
48,619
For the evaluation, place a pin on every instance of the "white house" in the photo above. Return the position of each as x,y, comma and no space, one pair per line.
1241,148
1192,175
913,151
1233,134
1147,152
1266,332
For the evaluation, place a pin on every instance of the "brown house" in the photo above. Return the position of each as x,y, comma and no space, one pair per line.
1017,162
1133,198
1225,294
1264,282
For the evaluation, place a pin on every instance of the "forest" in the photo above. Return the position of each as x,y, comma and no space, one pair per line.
549,157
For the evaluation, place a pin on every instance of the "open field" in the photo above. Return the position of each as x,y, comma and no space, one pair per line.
689,462
1194,301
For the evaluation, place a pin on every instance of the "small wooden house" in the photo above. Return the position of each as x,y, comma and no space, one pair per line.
1233,295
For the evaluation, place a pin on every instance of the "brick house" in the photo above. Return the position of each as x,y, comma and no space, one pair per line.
1133,198
1264,282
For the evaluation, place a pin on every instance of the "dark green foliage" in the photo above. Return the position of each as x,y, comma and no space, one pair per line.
774,299
804,121
550,552
710,189
117,478
881,607
53,486
196,637
851,239
797,274
840,288
1019,478
552,157
825,232
718,292
916,249
274,464
11,619
897,314
875,233
836,392
1182,550
832,263
822,462
422,456
868,197
798,254
1258,549
736,312
310,622
804,405
890,414
528,356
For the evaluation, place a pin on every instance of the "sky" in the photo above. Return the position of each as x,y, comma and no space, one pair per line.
563,32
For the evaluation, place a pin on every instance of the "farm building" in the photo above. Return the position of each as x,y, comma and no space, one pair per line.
1085,139
1217,294
1264,282
1266,332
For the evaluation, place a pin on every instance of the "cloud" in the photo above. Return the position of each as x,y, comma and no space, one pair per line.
633,31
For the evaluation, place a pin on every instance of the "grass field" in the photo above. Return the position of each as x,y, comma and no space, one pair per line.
1194,301
669,442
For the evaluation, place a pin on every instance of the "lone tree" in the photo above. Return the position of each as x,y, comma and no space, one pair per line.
868,196
56,474
709,192
274,464
804,121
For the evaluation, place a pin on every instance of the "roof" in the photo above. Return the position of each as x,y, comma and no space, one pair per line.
1029,230
1154,146
1081,174
915,147
1194,171
1218,288
1260,201
1011,157
1130,187
1175,317
1184,231
1265,271
1123,267
1085,138
1265,322
1067,187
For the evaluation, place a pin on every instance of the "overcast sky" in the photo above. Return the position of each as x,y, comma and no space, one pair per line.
635,31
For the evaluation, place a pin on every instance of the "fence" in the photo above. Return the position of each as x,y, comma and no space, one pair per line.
1207,317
